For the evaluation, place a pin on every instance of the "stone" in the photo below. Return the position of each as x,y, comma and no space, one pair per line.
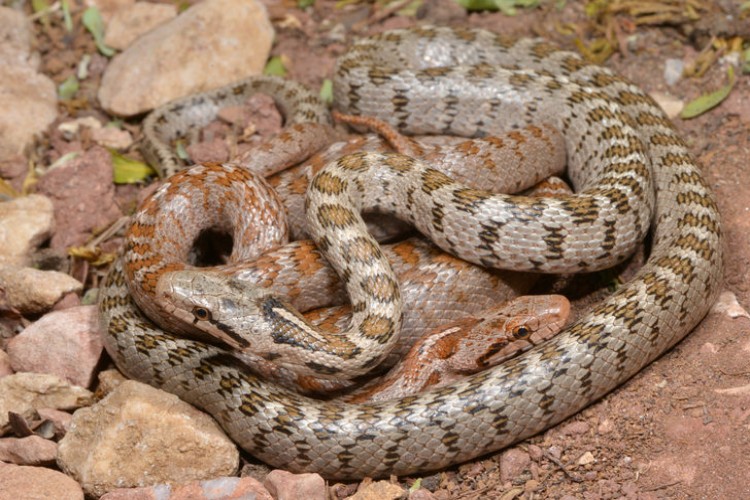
727,304
32,291
17,37
5,368
586,458
112,137
284,485
29,103
25,223
234,35
575,428
379,490
22,392
108,8
29,450
60,419
28,98
83,194
66,343
421,494
222,488
36,483
513,463
175,442
132,21
109,380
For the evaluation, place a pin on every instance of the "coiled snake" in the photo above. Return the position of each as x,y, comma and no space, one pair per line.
624,158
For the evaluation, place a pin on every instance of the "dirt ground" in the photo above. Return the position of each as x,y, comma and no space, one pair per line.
680,428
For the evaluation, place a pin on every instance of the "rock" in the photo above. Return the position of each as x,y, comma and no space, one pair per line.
164,64
5,368
60,419
513,463
175,442
586,458
22,392
130,22
29,103
223,488
111,137
109,380
673,70
36,483
284,485
421,494
68,301
64,343
30,450
17,37
575,428
28,99
535,452
727,304
671,105
32,291
83,195
380,490
108,8
24,224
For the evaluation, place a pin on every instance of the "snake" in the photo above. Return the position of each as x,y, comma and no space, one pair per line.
632,173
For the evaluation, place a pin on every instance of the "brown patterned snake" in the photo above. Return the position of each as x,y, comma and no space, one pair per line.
619,145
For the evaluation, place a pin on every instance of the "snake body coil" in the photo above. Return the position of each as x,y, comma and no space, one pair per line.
625,159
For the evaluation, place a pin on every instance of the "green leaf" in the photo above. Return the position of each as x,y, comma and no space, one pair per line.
326,91
67,89
417,484
67,18
275,67
708,101
410,9
182,153
92,19
746,61
507,7
128,170
91,297
43,7
303,4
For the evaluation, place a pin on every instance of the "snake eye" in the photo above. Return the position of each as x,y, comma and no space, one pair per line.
201,313
520,332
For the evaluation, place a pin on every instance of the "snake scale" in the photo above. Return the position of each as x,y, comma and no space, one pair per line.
630,169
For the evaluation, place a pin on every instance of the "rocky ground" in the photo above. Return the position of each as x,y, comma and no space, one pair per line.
679,429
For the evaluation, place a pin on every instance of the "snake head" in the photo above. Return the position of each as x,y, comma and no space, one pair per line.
226,309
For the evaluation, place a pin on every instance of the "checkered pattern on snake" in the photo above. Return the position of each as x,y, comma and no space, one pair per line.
622,150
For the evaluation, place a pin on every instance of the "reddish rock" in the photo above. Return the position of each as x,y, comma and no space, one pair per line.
64,343
30,450
36,482
284,485
223,488
82,193
513,463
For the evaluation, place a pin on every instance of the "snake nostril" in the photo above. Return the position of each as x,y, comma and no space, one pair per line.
212,247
